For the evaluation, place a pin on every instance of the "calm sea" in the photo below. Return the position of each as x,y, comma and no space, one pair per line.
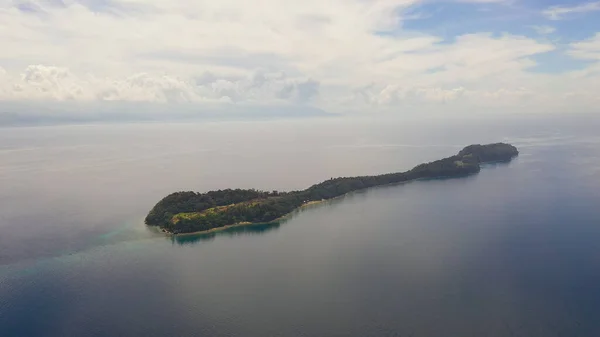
513,251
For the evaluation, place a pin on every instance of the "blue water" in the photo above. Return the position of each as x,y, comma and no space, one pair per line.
512,251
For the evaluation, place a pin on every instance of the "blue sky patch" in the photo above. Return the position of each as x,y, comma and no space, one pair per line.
448,20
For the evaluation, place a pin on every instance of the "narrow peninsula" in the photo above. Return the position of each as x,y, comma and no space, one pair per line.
190,212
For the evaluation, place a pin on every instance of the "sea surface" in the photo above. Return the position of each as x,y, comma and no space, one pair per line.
512,251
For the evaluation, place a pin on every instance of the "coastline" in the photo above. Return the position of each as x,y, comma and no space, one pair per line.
281,218
285,216
212,230
247,223
468,162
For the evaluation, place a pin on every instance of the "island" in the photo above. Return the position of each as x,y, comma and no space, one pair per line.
192,212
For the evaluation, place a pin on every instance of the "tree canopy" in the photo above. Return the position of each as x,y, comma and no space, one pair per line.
185,212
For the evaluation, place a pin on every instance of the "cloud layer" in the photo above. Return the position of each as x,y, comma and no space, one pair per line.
339,55
560,12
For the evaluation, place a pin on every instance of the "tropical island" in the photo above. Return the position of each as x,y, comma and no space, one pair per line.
191,212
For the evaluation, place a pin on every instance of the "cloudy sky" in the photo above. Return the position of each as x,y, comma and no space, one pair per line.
340,56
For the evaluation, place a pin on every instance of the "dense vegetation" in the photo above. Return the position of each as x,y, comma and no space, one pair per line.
185,212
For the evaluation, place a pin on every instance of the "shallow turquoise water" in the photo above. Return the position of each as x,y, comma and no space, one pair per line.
512,251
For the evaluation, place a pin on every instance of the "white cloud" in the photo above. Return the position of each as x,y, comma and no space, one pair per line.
486,1
586,50
558,12
337,55
39,82
544,30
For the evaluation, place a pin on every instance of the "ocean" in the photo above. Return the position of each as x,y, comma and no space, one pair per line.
511,251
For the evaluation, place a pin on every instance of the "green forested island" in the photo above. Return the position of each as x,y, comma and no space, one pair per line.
189,212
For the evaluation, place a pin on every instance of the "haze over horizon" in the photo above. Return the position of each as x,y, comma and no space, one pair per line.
64,58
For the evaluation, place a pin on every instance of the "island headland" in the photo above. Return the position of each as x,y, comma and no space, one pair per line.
191,212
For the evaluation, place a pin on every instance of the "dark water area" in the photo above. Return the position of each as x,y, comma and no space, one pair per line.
512,251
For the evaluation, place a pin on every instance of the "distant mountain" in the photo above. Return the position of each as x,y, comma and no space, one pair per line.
55,113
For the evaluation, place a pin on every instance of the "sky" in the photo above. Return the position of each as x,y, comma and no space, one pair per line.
337,56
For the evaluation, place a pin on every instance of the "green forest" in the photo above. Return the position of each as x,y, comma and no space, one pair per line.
186,212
